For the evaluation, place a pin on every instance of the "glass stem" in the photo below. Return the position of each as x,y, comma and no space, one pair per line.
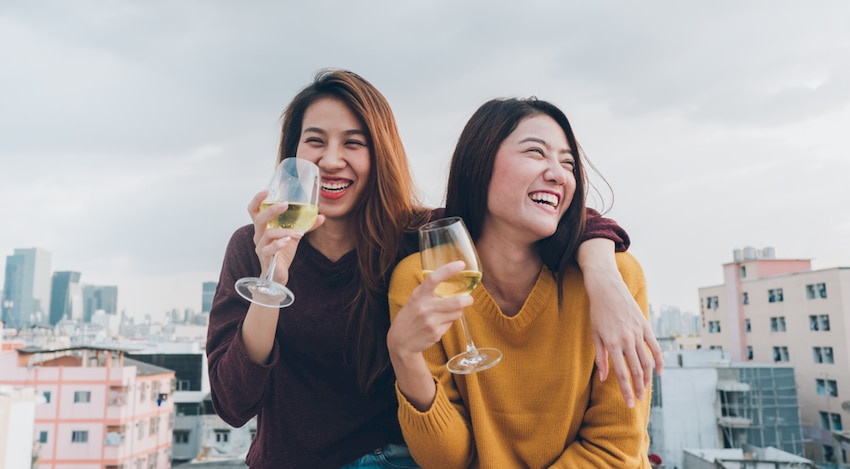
269,277
470,347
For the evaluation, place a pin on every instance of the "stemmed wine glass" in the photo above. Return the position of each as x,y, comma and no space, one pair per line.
441,242
296,182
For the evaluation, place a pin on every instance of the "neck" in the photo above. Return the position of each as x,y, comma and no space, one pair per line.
510,270
333,239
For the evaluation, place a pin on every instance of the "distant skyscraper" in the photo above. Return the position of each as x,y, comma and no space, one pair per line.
99,297
66,297
26,292
208,294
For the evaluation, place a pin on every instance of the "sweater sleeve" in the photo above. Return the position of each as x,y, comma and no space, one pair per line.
237,382
440,437
597,226
612,435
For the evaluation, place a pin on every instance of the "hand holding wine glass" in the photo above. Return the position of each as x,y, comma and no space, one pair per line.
296,183
441,242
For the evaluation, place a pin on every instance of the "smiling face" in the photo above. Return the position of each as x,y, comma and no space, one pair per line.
335,140
533,181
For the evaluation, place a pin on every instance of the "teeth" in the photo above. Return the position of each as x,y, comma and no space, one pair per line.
335,186
546,198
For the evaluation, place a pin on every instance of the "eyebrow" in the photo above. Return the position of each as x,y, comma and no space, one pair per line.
543,142
323,132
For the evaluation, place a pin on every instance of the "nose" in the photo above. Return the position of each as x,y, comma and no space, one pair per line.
332,158
556,173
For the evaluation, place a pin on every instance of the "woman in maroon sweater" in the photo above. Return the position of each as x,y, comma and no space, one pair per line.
317,374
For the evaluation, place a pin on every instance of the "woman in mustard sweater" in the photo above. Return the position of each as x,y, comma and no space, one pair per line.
517,179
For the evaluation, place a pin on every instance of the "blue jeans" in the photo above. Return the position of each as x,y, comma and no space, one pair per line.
389,457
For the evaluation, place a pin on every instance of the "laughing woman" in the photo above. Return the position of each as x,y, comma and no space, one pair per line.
517,179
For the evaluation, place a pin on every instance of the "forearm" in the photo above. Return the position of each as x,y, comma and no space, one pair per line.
441,436
258,332
413,378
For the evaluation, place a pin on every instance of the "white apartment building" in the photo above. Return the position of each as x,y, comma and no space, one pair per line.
781,311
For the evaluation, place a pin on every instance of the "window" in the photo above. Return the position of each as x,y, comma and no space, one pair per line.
828,453
713,327
813,323
826,387
222,436
777,324
183,384
780,354
743,271
822,355
823,322
46,395
749,352
817,290
716,347
775,295
836,422
79,436
711,302
154,425
745,298
82,397
141,425
747,326
181,437
253,433
824,420
42,437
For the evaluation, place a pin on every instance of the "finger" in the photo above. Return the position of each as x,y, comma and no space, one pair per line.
657,354
441,274
254,205
264,217
320,220
636,370
622,372
601,358
645,363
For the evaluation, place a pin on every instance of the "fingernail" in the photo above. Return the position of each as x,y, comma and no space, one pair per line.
630,402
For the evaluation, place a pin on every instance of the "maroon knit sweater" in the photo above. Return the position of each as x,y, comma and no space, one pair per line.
309,411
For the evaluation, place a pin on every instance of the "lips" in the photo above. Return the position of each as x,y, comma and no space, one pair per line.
335,188
546,198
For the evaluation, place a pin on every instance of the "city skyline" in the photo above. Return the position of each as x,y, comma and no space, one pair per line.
131,157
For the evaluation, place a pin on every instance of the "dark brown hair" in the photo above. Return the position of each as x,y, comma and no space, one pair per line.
387,208
472,168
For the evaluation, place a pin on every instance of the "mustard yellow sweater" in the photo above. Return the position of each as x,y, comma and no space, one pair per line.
542,405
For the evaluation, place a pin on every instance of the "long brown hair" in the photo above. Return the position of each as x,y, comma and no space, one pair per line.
472,168
388,207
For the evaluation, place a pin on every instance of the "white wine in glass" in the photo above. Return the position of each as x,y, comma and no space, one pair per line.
441,242
296,182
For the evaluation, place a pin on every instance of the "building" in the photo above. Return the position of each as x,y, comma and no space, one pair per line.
97,298
749,457
208,293
26,290
703,400
199,434
17,418
781,311
99,409
66,297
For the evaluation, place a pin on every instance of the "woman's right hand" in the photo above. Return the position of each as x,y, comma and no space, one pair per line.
425,317
275,241
419,324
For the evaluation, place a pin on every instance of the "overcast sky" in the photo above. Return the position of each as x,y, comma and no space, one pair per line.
134,133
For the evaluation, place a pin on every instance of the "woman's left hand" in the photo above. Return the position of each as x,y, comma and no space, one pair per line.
619,330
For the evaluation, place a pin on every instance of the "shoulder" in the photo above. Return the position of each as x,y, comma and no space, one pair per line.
408,267
242,239
630,269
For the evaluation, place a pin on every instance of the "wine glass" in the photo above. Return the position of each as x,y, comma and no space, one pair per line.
296,182
441,242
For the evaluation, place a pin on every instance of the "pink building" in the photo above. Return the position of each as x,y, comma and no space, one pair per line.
97,409
772,310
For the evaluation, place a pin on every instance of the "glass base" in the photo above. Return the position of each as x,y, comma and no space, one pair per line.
473,361
264,293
